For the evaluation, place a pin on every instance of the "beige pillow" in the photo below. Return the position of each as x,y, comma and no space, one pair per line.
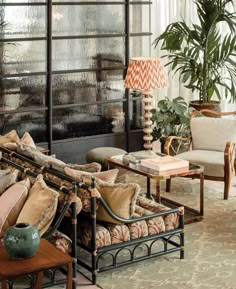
6,180
11,203
107,176
4,173
40,207
26,150
26,139
49,161
90,168
12,136
121,199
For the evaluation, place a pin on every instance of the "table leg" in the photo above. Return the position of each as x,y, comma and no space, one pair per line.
38,283
202,194
168,185
148,187
158,195
69,276
4,284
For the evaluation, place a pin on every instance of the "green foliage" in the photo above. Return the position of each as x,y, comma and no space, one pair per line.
200,54
172,117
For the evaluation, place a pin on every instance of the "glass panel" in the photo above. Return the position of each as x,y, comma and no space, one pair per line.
88,120
19,92
54,1
88,20
140,46
88,87
88,53
139,18
136,114
33,122
24,1
23,57
23,21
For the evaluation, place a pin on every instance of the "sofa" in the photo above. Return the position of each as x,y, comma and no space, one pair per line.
114,222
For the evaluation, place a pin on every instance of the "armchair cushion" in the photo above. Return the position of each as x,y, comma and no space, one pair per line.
213,161
11,203
40,206
26,139
107,176
121,198
8,179
49,161
90,168
12,136
209,133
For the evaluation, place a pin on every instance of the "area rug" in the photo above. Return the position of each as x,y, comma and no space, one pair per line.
210,247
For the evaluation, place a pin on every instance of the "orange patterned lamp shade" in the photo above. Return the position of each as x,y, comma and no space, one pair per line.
145,74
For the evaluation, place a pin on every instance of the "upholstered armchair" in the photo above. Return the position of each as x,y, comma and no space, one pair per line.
212,144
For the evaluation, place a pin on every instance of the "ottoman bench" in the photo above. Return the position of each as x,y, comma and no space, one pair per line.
100,154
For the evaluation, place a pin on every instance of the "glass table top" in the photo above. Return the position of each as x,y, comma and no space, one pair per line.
132,161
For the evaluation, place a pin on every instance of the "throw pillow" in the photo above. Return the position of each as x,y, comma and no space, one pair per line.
8,179
90,168
12,136
49,161
26,139
40,207
26,150
4,173
11,203
121,199
107,176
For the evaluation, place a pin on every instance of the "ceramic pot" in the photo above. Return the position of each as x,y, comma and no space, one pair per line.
212,105
21,241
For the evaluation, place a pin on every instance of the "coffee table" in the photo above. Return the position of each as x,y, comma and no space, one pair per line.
46,257
131,162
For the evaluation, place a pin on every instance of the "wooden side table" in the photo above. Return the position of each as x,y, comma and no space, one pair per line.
46,257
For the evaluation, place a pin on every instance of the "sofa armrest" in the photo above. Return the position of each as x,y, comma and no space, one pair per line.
175,145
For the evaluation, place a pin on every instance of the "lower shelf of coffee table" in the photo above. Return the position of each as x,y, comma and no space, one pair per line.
190,215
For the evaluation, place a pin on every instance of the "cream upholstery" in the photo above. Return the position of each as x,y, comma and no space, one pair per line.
212,161
213,143
209,133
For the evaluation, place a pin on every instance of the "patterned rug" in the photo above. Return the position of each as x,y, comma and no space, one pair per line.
210,246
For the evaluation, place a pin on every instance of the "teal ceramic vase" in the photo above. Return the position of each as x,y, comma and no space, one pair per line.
21,241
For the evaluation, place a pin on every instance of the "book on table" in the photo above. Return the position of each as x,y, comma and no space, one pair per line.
164,163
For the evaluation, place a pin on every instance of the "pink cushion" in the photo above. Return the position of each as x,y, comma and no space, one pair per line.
11,203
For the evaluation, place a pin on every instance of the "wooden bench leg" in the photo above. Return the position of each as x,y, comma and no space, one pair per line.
4,284
69,276
38,283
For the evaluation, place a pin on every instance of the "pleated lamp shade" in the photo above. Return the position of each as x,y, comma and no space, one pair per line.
145,73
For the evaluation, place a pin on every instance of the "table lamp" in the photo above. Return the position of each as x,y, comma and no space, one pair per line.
145,74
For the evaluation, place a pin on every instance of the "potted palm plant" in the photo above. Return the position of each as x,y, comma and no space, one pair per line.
203,57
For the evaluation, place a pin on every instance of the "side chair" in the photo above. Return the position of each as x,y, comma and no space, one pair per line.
212,144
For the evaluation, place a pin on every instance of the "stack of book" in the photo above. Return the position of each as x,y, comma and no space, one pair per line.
165,163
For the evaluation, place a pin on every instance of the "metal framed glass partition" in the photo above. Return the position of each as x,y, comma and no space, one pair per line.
63,64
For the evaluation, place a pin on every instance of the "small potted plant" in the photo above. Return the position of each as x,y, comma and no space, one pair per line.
204,57
171,117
